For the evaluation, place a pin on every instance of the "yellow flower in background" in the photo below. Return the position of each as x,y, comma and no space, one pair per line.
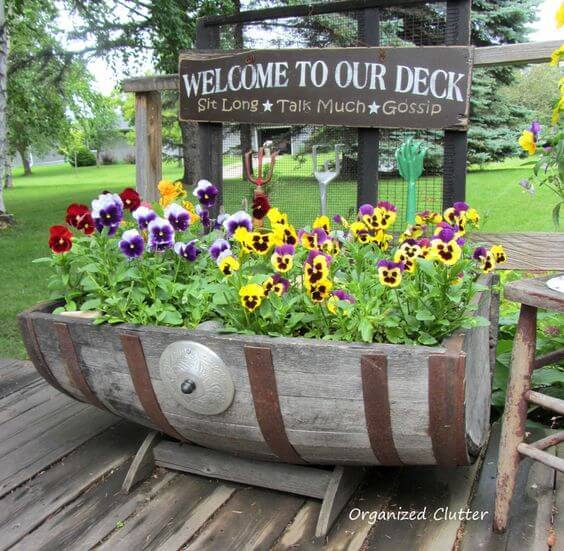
473,216
284,234
275,216
323,223
170,191
499,254
527,142
556,55
558,108
251,296
389,273
448,252
560,16
194,216
383,239
319,291
259,243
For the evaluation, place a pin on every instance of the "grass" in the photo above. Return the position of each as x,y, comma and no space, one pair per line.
40,200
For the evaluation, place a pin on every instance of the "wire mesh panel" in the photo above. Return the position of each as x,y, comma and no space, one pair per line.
294,187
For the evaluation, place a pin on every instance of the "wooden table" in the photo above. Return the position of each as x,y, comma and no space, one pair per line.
532,294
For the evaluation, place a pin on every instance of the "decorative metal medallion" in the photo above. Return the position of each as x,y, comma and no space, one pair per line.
197,377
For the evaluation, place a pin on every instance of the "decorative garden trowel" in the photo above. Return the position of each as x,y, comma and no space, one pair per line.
325,176
409,156
260,200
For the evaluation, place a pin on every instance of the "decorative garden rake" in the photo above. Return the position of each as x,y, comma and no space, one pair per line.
325,176
259,180
409,156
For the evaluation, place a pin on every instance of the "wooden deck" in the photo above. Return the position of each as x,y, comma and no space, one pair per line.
62,464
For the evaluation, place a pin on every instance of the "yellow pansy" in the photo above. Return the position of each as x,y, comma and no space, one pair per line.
170,191
323,223
556,55
251,296
275,216
228,265
527,142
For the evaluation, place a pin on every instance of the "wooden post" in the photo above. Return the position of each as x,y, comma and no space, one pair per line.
368,138
148,143
456,141
210,135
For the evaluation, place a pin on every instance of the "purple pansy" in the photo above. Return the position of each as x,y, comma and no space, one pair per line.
341,295
161,235
479,253
220,220
386,205
461,206
131,244
388,264
285,249
178,217
188,251
217,247
204,215
312,255
107,211
366,210
206,193
535,128
446,235
240,219
144,215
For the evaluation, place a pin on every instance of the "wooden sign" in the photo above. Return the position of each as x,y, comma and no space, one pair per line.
424,87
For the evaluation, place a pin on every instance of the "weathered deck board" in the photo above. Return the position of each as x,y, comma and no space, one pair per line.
29,505
15,374
251,519
163,516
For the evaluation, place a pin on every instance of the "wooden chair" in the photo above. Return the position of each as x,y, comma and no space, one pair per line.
531,252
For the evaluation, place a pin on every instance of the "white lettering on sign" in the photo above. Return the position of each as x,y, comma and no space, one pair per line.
417,81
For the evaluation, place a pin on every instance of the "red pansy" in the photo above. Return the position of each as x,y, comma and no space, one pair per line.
60,239
130,198
260,206
75,213
87,224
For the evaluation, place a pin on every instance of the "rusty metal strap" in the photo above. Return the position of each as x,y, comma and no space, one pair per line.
374,372
34,350
267,403
137,364
72,363
447,423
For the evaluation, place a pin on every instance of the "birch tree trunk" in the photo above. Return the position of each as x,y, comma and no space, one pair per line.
3,97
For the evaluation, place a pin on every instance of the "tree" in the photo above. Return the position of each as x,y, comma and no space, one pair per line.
3,72
129,28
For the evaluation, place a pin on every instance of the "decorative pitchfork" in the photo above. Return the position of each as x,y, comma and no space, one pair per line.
325,176
259,181
409,156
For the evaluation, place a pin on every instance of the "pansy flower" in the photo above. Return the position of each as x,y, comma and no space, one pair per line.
240,219
161,235
336,297
371,217
189,206
107,211
275,284
275,216
221,218
528,142
251,296
75,212
283,258
445,248
486,259
338,219
316,267
204,215
144,215
217,247
382,239
131,199
389,273
413,231
388,213
285,234
361,233
242,235
425,247
428,217
189,251
313,240
407,253
260,206
206,193
60,239
131,244
170,191
259,243
320,290
227,263
178,217
323,223
499,254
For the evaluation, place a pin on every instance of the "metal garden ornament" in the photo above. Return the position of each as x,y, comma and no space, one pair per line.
325,176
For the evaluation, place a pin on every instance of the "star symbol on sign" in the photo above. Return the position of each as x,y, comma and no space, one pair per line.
373,108
267,106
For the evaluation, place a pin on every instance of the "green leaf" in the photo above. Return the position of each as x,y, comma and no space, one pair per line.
92,304
424,316
91,268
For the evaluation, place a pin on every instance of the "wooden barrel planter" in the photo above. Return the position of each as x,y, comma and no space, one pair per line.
278,399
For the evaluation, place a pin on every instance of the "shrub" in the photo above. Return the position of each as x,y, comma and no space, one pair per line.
107,158
129,158
83,157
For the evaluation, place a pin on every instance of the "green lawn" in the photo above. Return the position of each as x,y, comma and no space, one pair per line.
40,200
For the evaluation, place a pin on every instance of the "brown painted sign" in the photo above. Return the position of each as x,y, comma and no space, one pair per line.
424,87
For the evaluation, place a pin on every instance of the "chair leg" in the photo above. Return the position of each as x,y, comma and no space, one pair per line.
515,414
